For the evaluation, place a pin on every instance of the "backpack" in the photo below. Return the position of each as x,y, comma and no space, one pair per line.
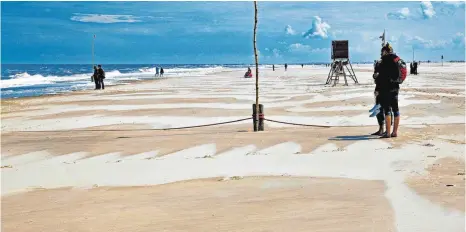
102,74
402,71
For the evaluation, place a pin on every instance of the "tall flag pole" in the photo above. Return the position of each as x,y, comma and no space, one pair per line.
383,38
93,39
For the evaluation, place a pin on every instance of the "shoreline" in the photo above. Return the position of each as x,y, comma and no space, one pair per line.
83,91
77,92
8,102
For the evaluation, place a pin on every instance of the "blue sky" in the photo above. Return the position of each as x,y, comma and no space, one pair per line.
222,32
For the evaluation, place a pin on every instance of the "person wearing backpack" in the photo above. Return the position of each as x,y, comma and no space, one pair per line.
101,76
95,78
392,73
377,110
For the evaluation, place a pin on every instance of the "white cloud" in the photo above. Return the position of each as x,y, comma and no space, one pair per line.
427,9
302,48
133,30
205,29
289,30
343,32
403,13
430,44
372,37
417,42
267,49
459,40
454,3
357,49
421,43
317,50
319,29
297,47
276,53
101,18
392,39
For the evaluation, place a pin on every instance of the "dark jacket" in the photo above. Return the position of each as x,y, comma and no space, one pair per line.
101,73
377,71
388,70
95,75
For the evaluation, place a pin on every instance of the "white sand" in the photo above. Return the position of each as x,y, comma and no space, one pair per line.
367,160
355,161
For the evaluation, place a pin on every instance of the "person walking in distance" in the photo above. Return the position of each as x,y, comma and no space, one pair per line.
95,78
392,74
101,76
286,67
161,71
156,71
273,67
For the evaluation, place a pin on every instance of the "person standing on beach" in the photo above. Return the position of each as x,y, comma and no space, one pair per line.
286,67
161,71
302,65
156,71
389,89
95,78
273,67
377,107
101,76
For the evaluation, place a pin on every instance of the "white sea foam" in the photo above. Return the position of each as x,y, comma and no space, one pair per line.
112,77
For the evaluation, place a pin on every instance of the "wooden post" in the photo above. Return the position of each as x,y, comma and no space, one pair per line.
256,116
258,119
261,117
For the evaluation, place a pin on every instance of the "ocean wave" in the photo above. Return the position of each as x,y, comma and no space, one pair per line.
25,79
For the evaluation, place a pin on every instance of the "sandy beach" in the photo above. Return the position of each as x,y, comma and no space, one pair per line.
97,161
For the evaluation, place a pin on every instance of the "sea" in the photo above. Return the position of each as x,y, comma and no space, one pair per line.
27,80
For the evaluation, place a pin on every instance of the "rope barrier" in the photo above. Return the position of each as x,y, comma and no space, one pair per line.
152,129
323,126
296,124
261,116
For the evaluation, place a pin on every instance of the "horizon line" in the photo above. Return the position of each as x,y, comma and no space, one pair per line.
293,63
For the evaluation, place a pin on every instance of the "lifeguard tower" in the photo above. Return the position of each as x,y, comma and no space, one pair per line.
341,65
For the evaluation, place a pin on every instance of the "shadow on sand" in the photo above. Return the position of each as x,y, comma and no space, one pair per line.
354,137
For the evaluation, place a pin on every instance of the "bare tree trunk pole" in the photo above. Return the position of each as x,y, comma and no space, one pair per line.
257,68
